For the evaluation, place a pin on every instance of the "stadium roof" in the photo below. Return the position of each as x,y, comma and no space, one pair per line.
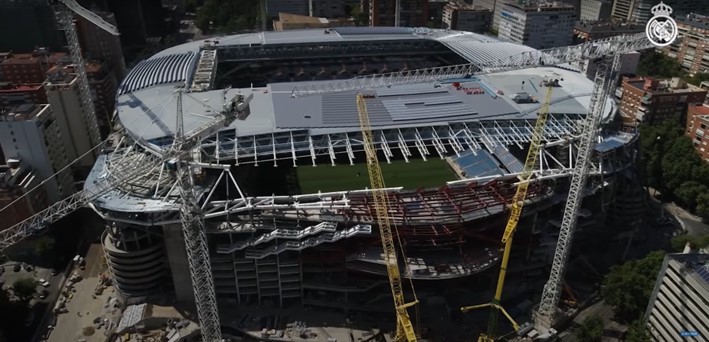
146,105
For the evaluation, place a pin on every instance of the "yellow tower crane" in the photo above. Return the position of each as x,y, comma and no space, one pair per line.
404,326
535,145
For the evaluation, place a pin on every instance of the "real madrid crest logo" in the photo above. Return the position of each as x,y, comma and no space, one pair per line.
661,30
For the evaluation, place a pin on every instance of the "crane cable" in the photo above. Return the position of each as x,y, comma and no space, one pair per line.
43,182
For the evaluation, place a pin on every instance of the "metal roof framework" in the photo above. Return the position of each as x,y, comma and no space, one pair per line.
435,139
158,206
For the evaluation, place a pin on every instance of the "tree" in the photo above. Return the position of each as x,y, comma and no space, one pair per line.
701,241
628,287
653,63
25,288
637,332
227,16
698,78
591,330
702,208
689,192
44,246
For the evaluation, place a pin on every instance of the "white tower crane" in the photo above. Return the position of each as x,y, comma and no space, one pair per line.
65,10
604,85
178,157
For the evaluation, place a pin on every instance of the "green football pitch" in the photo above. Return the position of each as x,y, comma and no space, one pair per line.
412,175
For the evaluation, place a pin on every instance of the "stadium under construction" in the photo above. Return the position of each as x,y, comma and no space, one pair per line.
284,188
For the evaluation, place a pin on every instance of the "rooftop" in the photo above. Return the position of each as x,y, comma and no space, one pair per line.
541,6
695,263
694,20
663,86
22,112
8,87
32,58
606,27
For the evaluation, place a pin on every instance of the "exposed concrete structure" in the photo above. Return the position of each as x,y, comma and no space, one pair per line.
272,242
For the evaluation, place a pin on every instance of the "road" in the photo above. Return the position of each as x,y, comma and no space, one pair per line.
38,306
84,307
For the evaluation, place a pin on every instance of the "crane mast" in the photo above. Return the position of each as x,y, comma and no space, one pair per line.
604,84
518,202
65,17
404,326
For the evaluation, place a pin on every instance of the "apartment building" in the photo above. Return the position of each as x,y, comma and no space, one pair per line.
692,49
585,31
467,18
679,305
697,128
654,101
595,10
412,13
540,26
31,133
16,180
98,44
12,94
22,68
639,11
63,95
496,7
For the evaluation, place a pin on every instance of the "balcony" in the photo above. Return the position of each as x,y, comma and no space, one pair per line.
647,99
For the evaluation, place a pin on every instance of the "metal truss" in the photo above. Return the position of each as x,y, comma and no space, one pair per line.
65,18
440,139
200,268
603,86
569,54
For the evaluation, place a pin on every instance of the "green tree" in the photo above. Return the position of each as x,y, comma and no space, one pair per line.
701,241
653,63
689,192
702,208
591,330
25,288
637,332
628,287
698,78
44,246
227,16
360,18
679,163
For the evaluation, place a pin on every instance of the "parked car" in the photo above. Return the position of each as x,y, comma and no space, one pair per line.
2,269
27,267
17,268
43,282
54,272
43,294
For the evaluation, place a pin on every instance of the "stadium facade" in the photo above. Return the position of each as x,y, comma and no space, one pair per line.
284,189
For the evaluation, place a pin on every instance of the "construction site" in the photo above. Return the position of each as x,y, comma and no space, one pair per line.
332,171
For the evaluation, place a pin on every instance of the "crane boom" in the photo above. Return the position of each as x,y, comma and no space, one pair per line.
604,81
568,54
404,327
518,202
38,222
90,16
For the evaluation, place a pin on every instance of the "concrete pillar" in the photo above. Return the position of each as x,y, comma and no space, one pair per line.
177,258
